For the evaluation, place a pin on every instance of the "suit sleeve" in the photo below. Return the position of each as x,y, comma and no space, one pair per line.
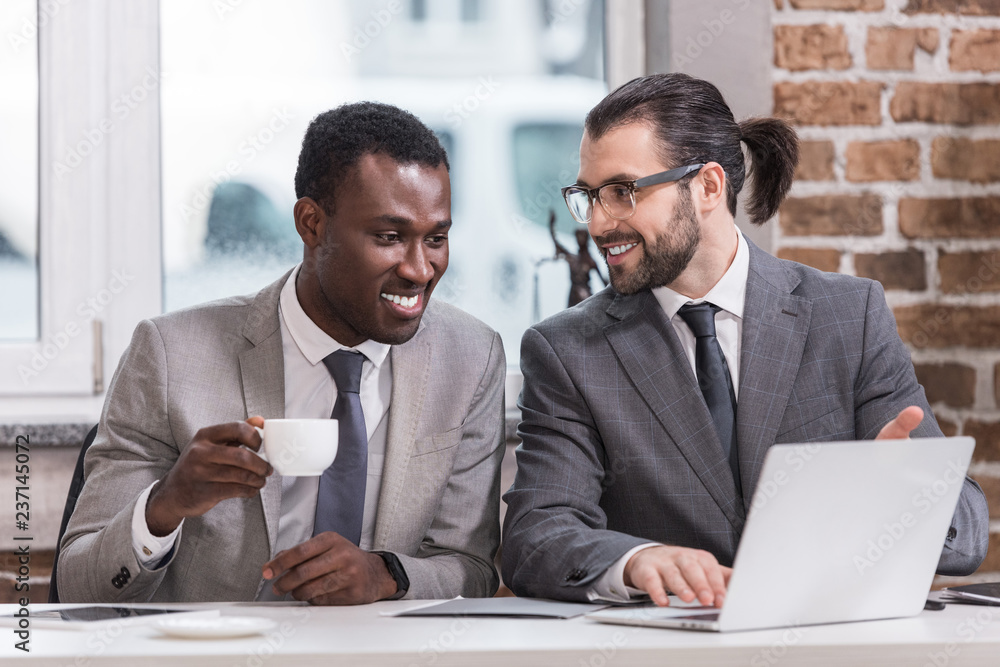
556,542
456,555
97,562
886,384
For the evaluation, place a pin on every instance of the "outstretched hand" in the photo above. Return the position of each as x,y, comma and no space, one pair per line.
900,427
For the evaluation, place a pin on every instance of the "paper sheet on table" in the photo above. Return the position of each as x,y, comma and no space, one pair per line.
504,607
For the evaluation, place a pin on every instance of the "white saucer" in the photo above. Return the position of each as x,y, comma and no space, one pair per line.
221,627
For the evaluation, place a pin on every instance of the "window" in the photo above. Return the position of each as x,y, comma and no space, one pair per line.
19,172
506,90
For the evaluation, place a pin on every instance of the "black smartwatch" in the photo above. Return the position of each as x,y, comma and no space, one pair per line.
398,573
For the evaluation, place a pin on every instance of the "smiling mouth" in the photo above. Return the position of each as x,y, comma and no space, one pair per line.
619,249
403,302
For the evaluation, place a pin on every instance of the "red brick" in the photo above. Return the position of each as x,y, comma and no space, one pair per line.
977,50
937,326
991,488
842,5
987,437
832,215
894,48
883,161
948,427
965,217
966,159
952,103
815,161
824,259
829,102
802,47
904,270
968,7
969,272
948,383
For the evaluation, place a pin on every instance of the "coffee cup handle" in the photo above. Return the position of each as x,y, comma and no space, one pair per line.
260,452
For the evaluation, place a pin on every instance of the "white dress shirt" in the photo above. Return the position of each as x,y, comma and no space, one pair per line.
728,294
310,393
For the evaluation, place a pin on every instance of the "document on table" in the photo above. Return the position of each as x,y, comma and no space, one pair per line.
985,594
503,607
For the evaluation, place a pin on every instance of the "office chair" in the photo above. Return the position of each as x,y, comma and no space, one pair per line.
75,488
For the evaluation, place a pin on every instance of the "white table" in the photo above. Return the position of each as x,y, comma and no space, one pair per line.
360,636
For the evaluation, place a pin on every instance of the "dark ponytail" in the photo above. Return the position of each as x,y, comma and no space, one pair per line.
694,124
774,153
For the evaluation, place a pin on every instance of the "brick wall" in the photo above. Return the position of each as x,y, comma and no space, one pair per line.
897,103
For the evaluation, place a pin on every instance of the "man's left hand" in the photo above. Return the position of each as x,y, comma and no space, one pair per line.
329,569
900,427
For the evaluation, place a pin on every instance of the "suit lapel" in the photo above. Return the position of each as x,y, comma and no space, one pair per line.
411,367
775,329
262,368
648,350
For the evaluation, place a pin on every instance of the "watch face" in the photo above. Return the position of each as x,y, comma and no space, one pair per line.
398,573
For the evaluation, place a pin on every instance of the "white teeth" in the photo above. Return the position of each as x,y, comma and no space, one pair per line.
619,249
404,301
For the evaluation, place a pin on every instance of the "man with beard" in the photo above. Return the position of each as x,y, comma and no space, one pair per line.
176,509
647,410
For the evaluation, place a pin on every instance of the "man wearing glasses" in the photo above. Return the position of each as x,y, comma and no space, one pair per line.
647,410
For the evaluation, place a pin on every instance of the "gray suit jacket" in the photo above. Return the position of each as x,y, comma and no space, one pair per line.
438,508
618,447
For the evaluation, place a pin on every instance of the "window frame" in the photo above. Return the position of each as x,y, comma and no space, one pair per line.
100,224
98,220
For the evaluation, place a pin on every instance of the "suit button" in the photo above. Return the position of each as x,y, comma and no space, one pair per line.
952,533
576,575
120,579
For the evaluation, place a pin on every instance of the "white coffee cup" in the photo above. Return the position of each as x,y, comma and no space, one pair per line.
299,447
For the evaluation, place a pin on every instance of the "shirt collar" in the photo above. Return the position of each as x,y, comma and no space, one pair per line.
314,343
727,294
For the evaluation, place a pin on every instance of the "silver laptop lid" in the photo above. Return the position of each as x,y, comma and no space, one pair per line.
845,531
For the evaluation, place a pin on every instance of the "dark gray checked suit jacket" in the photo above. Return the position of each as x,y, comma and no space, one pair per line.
618,445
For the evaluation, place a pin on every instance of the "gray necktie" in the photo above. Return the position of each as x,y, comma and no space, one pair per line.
715,381
340,504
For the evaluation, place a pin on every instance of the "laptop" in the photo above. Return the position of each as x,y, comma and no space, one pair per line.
836,532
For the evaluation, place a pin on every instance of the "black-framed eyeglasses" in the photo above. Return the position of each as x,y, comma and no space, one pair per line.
617,198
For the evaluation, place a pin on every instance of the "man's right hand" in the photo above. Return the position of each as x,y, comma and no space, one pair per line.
211,469
687,573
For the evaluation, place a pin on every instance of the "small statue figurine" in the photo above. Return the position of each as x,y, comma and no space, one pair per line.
580,264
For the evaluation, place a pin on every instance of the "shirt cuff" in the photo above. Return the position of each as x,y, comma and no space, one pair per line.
610,587
149,548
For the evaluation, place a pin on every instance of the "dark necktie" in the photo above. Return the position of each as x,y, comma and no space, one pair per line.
340,504
715,381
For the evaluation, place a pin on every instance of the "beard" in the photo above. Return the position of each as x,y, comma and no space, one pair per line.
664,257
